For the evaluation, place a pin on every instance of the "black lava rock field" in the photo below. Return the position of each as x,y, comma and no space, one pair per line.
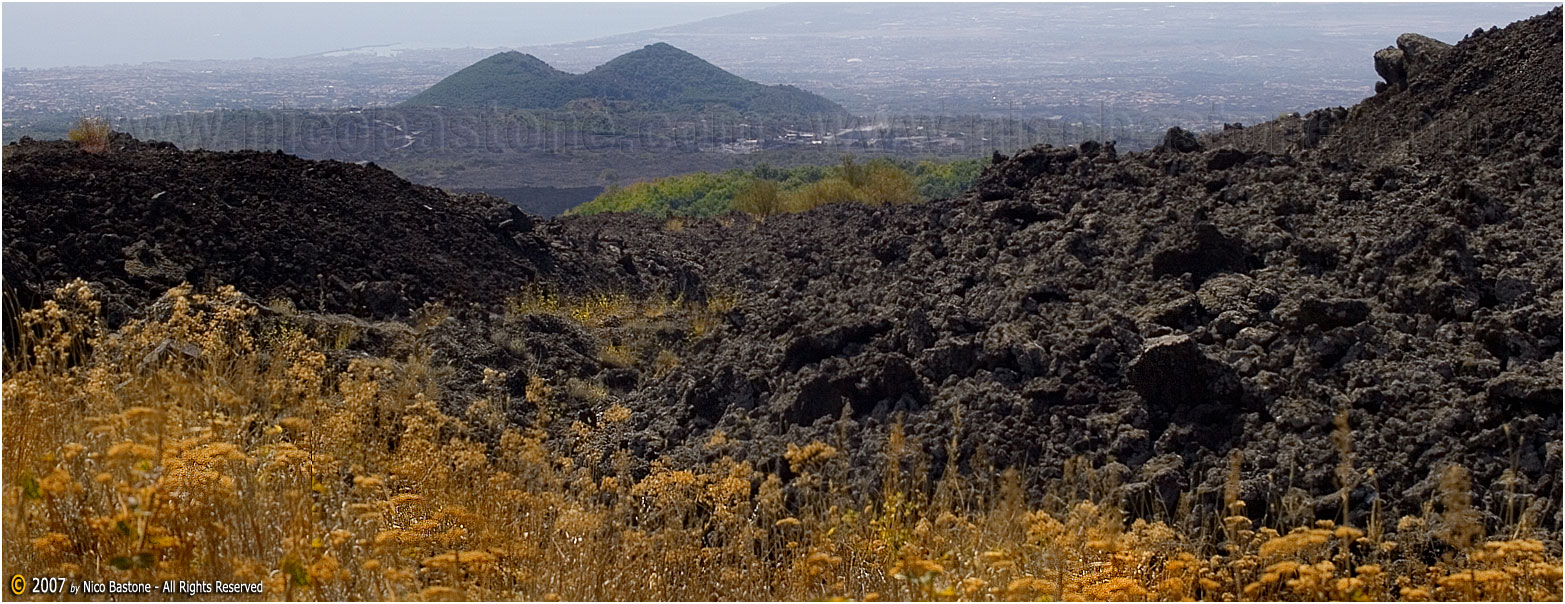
1349,299
330,236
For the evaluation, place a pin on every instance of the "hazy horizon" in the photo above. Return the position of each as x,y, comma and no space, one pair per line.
131,33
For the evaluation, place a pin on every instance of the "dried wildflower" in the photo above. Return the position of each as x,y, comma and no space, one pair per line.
617,414
916,569
51,545
237,438
441,593
538,390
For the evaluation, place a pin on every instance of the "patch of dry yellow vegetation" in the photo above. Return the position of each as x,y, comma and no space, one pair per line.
196,444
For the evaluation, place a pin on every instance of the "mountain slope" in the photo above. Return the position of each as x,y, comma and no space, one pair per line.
498,77
658,76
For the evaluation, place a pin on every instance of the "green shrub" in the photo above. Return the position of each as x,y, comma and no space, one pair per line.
851,172
759,197
696,194
765,190
947,179
817,194
883,183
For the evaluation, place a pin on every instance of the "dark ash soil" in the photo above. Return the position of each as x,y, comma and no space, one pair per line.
1396,264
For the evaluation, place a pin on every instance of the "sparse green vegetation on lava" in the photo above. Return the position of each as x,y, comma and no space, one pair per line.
766,190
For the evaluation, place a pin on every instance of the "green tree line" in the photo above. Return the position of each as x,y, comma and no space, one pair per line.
766,190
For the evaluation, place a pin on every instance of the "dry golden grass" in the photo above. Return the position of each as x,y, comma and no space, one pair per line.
91,134
198,445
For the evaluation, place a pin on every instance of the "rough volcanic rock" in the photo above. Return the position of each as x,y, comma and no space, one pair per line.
1413,54
1396,264
330,236
1420,52
1180,140
1172,375
1391,64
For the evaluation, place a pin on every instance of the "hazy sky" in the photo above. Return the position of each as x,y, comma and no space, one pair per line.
57,34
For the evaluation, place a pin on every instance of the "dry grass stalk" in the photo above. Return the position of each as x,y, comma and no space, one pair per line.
209,448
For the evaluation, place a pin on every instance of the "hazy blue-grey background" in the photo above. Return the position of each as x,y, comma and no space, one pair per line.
1200,64
59,34
953,79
